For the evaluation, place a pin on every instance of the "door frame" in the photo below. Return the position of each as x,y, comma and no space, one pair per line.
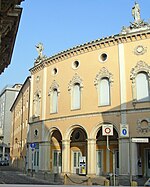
75,170
58,167
35,160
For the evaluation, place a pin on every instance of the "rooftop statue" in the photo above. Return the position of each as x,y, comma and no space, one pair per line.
138,23
136,12
40,49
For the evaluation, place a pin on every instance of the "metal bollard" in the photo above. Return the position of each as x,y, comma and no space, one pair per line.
133,183
106,182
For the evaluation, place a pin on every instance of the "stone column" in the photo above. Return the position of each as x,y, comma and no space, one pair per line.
134,159
124,157
91,157
65,156
3,152
44,151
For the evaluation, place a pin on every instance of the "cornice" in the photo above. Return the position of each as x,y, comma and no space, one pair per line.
92,46
92,114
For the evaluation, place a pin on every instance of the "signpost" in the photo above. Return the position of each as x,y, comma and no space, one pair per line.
107,130
32,145
124,130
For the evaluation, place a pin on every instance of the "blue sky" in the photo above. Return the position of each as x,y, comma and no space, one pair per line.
63,24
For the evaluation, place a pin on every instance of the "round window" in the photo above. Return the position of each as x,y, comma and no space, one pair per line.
103,57
37,79
75,64
36,132
77,135
54,71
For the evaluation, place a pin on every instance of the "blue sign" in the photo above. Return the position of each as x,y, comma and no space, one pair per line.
33,145
124,131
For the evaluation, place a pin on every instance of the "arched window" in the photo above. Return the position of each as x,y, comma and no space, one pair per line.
104,92
54,101
142,87
76,96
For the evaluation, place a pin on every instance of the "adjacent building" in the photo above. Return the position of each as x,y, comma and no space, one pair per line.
10,12
20,127
7,97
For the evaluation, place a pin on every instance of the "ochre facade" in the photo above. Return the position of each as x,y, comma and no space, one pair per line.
67,111
20,127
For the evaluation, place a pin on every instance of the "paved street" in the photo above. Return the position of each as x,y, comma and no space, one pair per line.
9,175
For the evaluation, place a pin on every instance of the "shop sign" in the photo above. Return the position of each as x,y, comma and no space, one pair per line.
140,140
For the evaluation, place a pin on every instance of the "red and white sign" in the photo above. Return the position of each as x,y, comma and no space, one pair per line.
107,130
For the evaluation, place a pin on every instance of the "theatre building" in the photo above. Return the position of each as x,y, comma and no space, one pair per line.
81,95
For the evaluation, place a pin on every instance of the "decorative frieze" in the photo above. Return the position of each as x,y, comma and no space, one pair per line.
94,45
143,126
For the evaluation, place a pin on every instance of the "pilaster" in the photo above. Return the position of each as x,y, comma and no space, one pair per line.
65,156
91,157
44,151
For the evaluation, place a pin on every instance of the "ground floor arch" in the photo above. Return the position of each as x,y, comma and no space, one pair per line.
56,151
106,148
67,150
78,151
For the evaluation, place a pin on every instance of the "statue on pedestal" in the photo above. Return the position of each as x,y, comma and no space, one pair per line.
138,23
40,50
136,12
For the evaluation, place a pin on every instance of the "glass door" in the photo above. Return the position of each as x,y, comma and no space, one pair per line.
57,161
76,161
36,160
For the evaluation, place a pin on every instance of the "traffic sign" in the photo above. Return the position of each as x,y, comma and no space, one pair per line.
124,130
107,130
32,145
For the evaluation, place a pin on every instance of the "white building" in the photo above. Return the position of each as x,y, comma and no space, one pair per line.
7,97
